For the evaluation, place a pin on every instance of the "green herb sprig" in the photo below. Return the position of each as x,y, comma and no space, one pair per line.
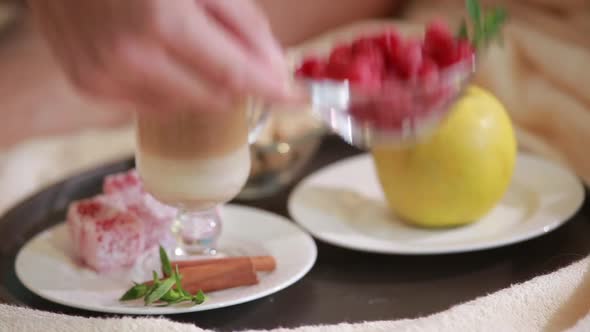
484,26
163,292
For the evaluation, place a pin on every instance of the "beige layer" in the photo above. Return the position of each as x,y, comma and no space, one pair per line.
192,135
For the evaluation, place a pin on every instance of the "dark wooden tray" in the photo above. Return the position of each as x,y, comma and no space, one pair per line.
344,285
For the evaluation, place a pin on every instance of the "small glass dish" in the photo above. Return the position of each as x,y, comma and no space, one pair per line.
285,146
408,110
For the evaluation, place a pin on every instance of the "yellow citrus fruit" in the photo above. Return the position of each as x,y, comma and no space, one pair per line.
457,175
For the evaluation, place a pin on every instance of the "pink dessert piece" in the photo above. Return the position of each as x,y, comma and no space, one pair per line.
105,235
126,183
156,217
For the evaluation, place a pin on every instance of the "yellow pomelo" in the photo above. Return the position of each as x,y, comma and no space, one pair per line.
457,175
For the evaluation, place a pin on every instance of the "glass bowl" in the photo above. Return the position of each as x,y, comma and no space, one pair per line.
408,111
284,147
395,113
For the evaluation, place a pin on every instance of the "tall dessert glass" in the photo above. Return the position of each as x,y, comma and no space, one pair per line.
195,161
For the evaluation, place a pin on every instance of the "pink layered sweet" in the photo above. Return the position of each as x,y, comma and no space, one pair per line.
126,183
105,235
155,216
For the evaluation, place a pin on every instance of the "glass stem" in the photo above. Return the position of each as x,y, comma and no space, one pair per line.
197,232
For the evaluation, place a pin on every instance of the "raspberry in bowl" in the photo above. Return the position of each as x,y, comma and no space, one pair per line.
384,88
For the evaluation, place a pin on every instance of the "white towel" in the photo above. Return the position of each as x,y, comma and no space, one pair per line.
553,302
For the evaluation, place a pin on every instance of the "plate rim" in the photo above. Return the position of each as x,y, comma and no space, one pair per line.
467,248
198,308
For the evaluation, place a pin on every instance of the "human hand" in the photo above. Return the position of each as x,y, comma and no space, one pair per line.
165,54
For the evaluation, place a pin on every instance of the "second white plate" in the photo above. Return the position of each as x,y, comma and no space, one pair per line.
343,204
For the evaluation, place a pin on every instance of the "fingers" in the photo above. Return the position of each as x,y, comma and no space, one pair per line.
155,80
204,45
244,19
142,74
166,54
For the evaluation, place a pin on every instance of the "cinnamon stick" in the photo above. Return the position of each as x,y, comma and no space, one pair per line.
219,275
213,277
260,263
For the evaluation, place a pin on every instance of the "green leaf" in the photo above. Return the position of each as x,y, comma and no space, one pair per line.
155,284
166,267
159,291
179,287
500,17
171,296
151,290
199,298
501,14
135,292
463,33
178,281
474,10
179,300
485,26
164,291
491,23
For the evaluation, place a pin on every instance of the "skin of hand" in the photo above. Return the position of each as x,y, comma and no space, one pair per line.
163,54
319,16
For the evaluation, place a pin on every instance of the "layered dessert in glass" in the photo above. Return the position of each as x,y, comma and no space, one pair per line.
194,161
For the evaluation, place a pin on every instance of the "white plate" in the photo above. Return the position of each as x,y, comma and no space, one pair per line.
343,204
45,267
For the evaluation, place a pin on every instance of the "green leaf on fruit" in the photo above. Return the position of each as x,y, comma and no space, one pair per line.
463,32
485,26
474,9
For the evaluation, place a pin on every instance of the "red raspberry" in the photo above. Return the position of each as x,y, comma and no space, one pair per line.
340,55
462,51
339,62
364,72
312,68
439,42
393,110
389,41
337,71
362,112
407,59
465,50
363,68
364,45
428,74
374,57
447,59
